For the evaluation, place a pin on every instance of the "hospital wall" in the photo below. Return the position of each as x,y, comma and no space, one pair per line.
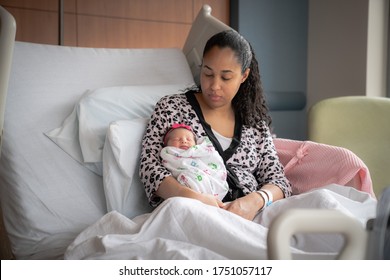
310,50
107,23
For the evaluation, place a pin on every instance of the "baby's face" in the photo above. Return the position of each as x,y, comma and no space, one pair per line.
181,138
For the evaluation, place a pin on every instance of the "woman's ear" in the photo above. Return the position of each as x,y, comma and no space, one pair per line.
245,75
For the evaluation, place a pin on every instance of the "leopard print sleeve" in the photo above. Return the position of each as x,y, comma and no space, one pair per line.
270,170
256,162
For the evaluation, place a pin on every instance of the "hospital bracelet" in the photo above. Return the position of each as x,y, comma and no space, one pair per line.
270,197
267,197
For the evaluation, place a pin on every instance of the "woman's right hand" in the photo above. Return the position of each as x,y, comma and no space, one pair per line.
209,199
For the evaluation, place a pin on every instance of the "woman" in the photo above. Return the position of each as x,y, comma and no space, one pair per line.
229,108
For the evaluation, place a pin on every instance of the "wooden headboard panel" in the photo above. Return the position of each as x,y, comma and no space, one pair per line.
110,24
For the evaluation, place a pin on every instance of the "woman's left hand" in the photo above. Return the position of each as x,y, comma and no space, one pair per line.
246,206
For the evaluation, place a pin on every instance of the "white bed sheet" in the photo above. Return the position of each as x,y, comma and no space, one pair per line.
47,196
182,228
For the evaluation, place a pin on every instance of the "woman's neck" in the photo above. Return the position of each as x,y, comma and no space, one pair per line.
221,119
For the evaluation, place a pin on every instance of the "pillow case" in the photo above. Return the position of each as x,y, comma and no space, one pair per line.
121,153
83,132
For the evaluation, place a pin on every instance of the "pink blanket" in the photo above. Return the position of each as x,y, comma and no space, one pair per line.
309,165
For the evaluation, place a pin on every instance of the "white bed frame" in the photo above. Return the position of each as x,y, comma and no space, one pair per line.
359,239
7,39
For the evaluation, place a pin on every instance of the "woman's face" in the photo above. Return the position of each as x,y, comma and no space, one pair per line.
220,77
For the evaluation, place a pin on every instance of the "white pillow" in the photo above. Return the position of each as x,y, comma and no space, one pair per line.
121,154
83,132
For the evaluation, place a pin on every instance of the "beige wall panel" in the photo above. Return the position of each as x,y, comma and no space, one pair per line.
70,6
167,10
47,5
70,30
70,23
337,49
36,26
107,23
121,33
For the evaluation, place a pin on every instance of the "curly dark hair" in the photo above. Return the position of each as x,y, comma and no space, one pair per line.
249,101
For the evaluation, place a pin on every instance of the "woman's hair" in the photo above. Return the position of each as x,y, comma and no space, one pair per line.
249,101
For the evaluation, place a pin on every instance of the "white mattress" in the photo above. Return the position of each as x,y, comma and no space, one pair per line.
48,197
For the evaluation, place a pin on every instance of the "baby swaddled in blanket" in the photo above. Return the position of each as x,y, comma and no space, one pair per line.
195,164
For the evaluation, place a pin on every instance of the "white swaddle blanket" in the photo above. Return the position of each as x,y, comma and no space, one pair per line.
200,167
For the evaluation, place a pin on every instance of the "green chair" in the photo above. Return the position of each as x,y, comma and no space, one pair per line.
360,124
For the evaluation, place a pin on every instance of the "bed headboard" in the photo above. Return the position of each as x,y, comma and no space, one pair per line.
203,27
7,40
